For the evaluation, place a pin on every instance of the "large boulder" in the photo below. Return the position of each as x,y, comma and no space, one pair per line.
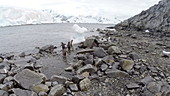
27,78
21,92
90,42
87,68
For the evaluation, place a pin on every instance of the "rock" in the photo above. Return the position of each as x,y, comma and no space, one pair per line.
85,84
132,86
89,68
8,79
166,93
90,42
22,54
85,74
40,88
42,94
114,50
74,87
57,90
54,83
69,69
127,64
59,79
48,83
104,67
27,78
47,48
146,80
3,69
134,56
3,93
4,87
154,87
2,76
20,92
81,57
77,78
1,59
114,73
9,57
78,65
100,52
85,51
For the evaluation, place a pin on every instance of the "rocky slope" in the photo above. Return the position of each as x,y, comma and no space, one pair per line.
156,18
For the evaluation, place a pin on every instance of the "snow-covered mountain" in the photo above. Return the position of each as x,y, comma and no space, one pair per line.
18,16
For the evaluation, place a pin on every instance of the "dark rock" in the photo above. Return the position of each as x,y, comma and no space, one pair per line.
134,56
114,50
1,59
114,73
9,57
59,79
73,87
81,57
27,78
166,93
132,86
57,90
77,78
89,68
3,93
47,48
90,42
2,76
69,69
78,65
20,92
100,52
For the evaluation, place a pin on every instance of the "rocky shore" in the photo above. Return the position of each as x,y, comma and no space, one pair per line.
116,63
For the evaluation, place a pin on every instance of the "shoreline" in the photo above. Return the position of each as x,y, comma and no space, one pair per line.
116,62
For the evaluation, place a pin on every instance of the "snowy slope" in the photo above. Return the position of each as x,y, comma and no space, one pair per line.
16,16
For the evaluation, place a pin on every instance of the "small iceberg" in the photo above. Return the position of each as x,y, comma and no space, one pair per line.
78,36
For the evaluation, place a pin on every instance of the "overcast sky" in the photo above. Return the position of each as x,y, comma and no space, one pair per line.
106,8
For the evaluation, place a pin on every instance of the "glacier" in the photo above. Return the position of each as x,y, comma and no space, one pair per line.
10,16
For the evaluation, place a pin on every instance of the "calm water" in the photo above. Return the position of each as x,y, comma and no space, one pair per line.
27,37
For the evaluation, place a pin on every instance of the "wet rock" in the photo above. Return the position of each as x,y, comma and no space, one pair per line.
59,79
132,86
2,76
78,65
85,51
22,54
20,92
3,93
77,78
47,48
27,78
40,88
85,84
114,50
127,64
73,87
134,56
104,67
89,68
113,73
57,90
100,52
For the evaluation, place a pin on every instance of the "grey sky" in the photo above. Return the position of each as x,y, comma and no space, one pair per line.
106,8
